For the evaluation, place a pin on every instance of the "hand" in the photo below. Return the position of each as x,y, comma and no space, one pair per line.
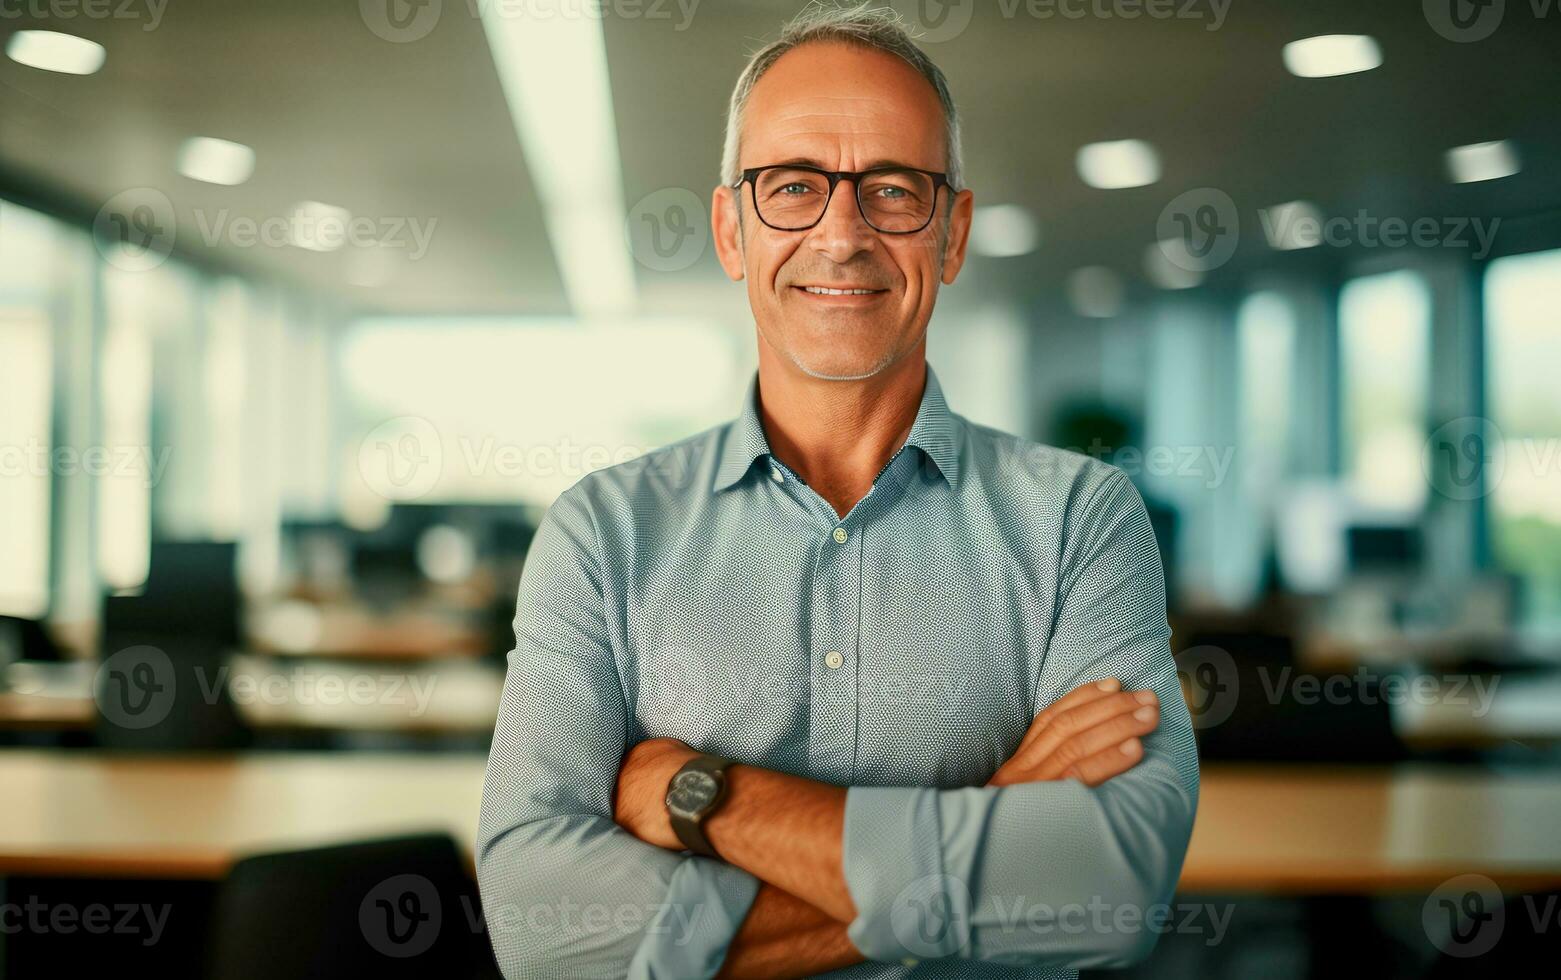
1090,734
640,802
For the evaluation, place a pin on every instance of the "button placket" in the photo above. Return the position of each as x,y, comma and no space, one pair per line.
835,628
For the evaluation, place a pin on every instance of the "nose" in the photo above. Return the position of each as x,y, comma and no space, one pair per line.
842,234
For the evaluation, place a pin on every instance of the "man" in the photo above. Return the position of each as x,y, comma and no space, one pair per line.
849,684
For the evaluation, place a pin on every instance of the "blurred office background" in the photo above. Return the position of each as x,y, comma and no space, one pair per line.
309,310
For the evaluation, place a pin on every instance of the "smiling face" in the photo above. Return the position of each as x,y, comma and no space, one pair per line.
841,107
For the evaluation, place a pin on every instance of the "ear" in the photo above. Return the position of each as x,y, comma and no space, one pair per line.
727,231
959,235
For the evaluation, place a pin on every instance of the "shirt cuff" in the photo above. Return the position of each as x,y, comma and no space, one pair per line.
908,854
705,905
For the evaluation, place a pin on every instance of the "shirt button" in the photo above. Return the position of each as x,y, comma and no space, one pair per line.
777,475
833,660
841,535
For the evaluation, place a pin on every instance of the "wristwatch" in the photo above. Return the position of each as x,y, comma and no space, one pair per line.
692,795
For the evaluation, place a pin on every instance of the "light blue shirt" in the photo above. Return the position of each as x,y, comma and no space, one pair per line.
705,592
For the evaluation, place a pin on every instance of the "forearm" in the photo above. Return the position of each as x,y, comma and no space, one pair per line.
786,831
783,936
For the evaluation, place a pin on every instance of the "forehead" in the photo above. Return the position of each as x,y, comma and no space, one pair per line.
845,107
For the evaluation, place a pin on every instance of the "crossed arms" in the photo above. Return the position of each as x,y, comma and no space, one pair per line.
580,873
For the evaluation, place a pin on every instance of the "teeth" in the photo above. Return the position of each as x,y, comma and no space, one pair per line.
824,291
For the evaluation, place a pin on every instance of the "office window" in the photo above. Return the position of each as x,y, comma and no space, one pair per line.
1523,350
1265,332
512,410
1384,358
26,395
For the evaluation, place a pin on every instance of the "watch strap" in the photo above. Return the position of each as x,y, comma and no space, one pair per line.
691,830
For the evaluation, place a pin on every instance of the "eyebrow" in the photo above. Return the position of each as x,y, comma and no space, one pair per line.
872,165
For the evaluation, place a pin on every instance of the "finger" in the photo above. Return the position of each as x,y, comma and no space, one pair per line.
1083,694
1098,739
1069,724
1107,763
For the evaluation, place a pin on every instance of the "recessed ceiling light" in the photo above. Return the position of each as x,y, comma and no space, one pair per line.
216,161
1292,225
1482,161
553,73
1116,164
53,51
1168,274
1332,54
1095,291
1004,230
319,227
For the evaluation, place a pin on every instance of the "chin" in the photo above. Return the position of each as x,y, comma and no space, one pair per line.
842,366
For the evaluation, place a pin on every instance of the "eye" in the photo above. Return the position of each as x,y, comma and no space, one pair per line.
794,188
891,192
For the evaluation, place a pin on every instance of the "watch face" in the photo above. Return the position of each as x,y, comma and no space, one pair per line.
691,792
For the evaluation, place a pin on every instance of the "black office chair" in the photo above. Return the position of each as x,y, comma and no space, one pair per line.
401,907
176,698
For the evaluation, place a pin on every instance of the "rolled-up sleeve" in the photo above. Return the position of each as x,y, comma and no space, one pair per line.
565,890
1052,873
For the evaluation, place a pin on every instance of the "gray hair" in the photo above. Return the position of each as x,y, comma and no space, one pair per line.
862,24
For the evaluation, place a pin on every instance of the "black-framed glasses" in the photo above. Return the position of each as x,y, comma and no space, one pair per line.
893,200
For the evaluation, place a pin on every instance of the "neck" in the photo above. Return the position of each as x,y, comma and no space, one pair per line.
837,435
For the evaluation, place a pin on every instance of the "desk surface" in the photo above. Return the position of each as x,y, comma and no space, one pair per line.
1259,829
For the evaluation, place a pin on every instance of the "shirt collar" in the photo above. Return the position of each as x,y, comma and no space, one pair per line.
935,432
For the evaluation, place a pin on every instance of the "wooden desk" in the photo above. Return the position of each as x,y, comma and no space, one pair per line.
1259,829
88,813
1275,829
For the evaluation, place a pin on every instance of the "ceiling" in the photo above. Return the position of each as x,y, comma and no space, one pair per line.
420,130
